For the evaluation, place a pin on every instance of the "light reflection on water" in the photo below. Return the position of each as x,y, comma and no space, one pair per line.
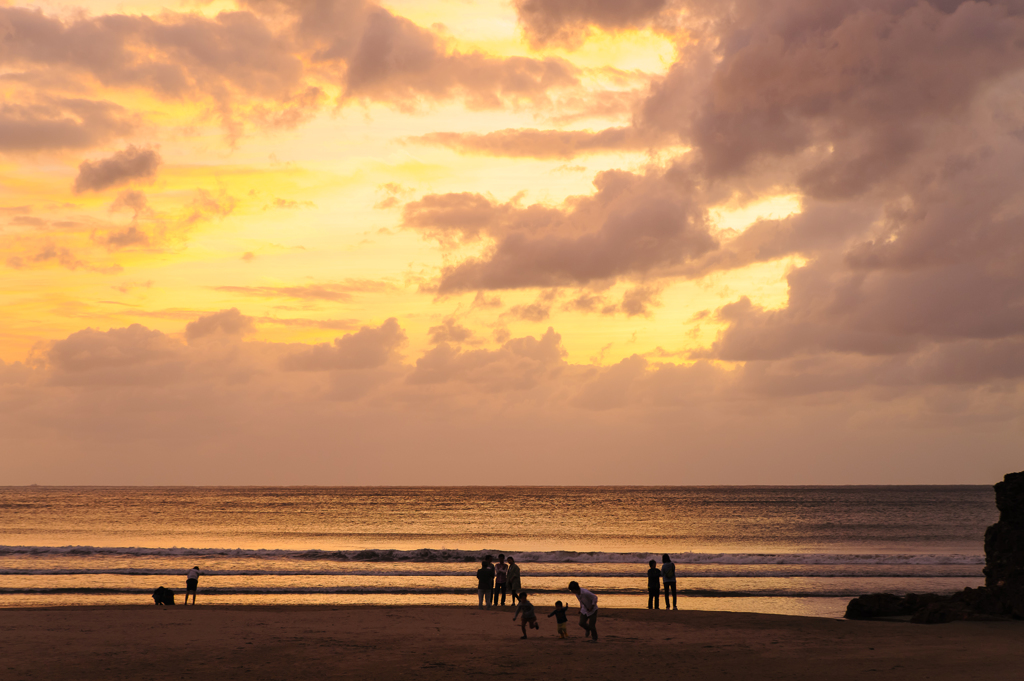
832,543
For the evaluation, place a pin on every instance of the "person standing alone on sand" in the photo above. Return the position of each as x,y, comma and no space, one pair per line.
512,579
668,576
500,573
653,586
484,583
588,610
192,584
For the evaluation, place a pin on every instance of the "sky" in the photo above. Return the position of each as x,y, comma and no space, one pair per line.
652,242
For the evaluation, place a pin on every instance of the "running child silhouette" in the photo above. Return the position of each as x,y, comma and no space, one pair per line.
560,617
529,616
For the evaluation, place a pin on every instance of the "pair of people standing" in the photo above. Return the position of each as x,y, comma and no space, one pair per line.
667,575
507,579
495,579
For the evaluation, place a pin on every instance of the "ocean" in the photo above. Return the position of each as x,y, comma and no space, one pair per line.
787,550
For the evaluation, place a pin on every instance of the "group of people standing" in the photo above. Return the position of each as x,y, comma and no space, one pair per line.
498,579
504,578
501,578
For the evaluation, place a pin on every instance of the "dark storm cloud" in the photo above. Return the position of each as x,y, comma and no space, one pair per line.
128,164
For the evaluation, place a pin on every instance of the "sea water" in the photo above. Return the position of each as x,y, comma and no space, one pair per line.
789,550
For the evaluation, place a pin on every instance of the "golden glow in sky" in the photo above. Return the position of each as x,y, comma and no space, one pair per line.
302,207
571,227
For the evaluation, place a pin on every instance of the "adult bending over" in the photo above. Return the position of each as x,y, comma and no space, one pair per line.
192,584
588,610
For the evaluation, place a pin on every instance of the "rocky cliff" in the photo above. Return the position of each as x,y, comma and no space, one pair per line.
1003,593
1004,546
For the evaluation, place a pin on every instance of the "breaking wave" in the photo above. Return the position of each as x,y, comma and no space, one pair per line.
462,556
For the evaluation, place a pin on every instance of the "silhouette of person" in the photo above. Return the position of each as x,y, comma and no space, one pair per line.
529,616
653,586
163,596
668,576
588,610
191,584
513,580
500,578
561,618
484,583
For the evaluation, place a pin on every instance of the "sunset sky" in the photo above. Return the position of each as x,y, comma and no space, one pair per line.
511,242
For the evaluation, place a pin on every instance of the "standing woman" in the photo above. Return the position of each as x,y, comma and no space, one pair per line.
513,580
668,576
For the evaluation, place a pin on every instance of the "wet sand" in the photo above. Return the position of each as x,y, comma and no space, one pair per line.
297,643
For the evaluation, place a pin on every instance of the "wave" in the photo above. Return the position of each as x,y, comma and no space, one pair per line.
533,574
462,556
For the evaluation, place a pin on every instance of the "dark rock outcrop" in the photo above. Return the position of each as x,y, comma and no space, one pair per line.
1001,597
888,605
1004,546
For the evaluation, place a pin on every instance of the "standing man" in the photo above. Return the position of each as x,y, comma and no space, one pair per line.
191,584
485,583
588,610
500,573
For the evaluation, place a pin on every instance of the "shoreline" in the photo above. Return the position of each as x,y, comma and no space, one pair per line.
542,610
298,642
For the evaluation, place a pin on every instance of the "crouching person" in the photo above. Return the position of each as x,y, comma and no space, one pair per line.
163,596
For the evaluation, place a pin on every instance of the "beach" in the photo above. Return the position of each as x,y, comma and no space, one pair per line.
312,642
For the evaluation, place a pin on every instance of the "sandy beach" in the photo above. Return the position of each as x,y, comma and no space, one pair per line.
295,643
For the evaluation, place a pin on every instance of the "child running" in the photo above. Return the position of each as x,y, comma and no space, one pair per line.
561,619
529,617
